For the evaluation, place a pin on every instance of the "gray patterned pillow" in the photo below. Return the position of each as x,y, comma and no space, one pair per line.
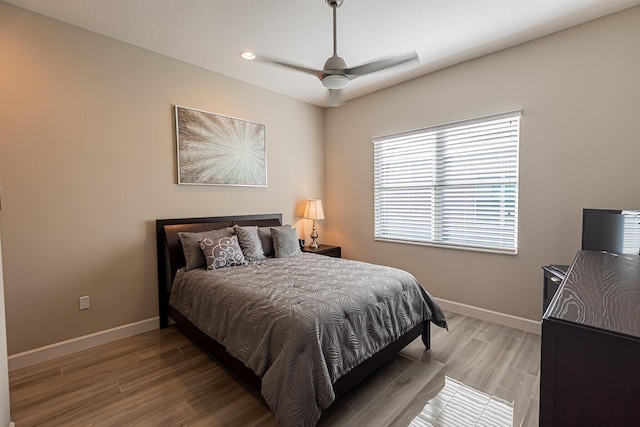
249,242
222,252
191,245
267,241
285,242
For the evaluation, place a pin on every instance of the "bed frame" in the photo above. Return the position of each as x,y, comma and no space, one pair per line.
171,258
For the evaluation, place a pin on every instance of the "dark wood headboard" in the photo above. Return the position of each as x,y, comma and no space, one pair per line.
169,248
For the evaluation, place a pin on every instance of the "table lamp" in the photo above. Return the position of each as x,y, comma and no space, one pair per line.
313,210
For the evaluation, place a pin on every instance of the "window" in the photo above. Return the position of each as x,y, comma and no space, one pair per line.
453,185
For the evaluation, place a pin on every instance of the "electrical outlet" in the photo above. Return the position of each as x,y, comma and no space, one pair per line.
84,302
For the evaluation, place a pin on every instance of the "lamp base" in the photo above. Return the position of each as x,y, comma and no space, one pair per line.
314,237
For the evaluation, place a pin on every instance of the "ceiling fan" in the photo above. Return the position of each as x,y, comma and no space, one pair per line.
335,75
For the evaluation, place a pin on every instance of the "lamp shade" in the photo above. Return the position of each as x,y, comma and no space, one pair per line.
313,209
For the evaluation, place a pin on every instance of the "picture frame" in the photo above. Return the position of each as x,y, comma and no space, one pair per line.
214,149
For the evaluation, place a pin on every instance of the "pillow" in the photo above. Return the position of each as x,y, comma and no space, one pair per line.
250,242
285,242
265,238
222,252
191,245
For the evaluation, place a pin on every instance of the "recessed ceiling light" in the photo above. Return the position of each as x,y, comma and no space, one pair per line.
246,54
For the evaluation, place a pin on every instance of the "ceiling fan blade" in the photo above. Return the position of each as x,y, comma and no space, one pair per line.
267,60
379,65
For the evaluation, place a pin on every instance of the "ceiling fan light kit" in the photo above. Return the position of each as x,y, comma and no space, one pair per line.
335,75
335,81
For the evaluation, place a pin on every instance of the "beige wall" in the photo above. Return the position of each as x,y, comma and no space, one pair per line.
580,147
87,151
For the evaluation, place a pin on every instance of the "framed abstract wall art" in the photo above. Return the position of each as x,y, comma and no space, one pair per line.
219,150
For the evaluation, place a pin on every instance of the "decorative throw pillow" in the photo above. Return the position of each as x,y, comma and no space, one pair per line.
222,252
191,245
250,242
285,242
267,241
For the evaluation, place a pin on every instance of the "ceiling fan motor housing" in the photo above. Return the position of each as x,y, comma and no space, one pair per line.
334,65
332,77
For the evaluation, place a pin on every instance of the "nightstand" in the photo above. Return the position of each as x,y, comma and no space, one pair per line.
328,250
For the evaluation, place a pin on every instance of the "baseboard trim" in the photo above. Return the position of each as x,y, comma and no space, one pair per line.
64,348
491,316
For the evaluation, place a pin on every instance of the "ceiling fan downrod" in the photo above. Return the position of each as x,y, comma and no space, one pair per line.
335,4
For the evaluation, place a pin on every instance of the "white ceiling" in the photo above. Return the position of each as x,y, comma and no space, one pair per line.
211,33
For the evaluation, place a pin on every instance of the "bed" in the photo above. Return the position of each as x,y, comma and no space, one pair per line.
297,379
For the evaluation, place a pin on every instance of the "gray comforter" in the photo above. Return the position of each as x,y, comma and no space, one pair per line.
300,323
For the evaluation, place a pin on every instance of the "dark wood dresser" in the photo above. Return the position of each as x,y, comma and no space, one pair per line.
590,364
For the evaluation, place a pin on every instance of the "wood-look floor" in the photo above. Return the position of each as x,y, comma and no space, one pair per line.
478,373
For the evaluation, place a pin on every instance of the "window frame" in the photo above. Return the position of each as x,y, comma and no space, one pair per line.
433,140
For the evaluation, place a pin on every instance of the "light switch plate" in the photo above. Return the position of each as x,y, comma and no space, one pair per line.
84,302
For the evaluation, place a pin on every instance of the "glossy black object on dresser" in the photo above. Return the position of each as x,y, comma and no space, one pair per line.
590,365
328,250
553,276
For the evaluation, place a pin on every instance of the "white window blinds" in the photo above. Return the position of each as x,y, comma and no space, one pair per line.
453,185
